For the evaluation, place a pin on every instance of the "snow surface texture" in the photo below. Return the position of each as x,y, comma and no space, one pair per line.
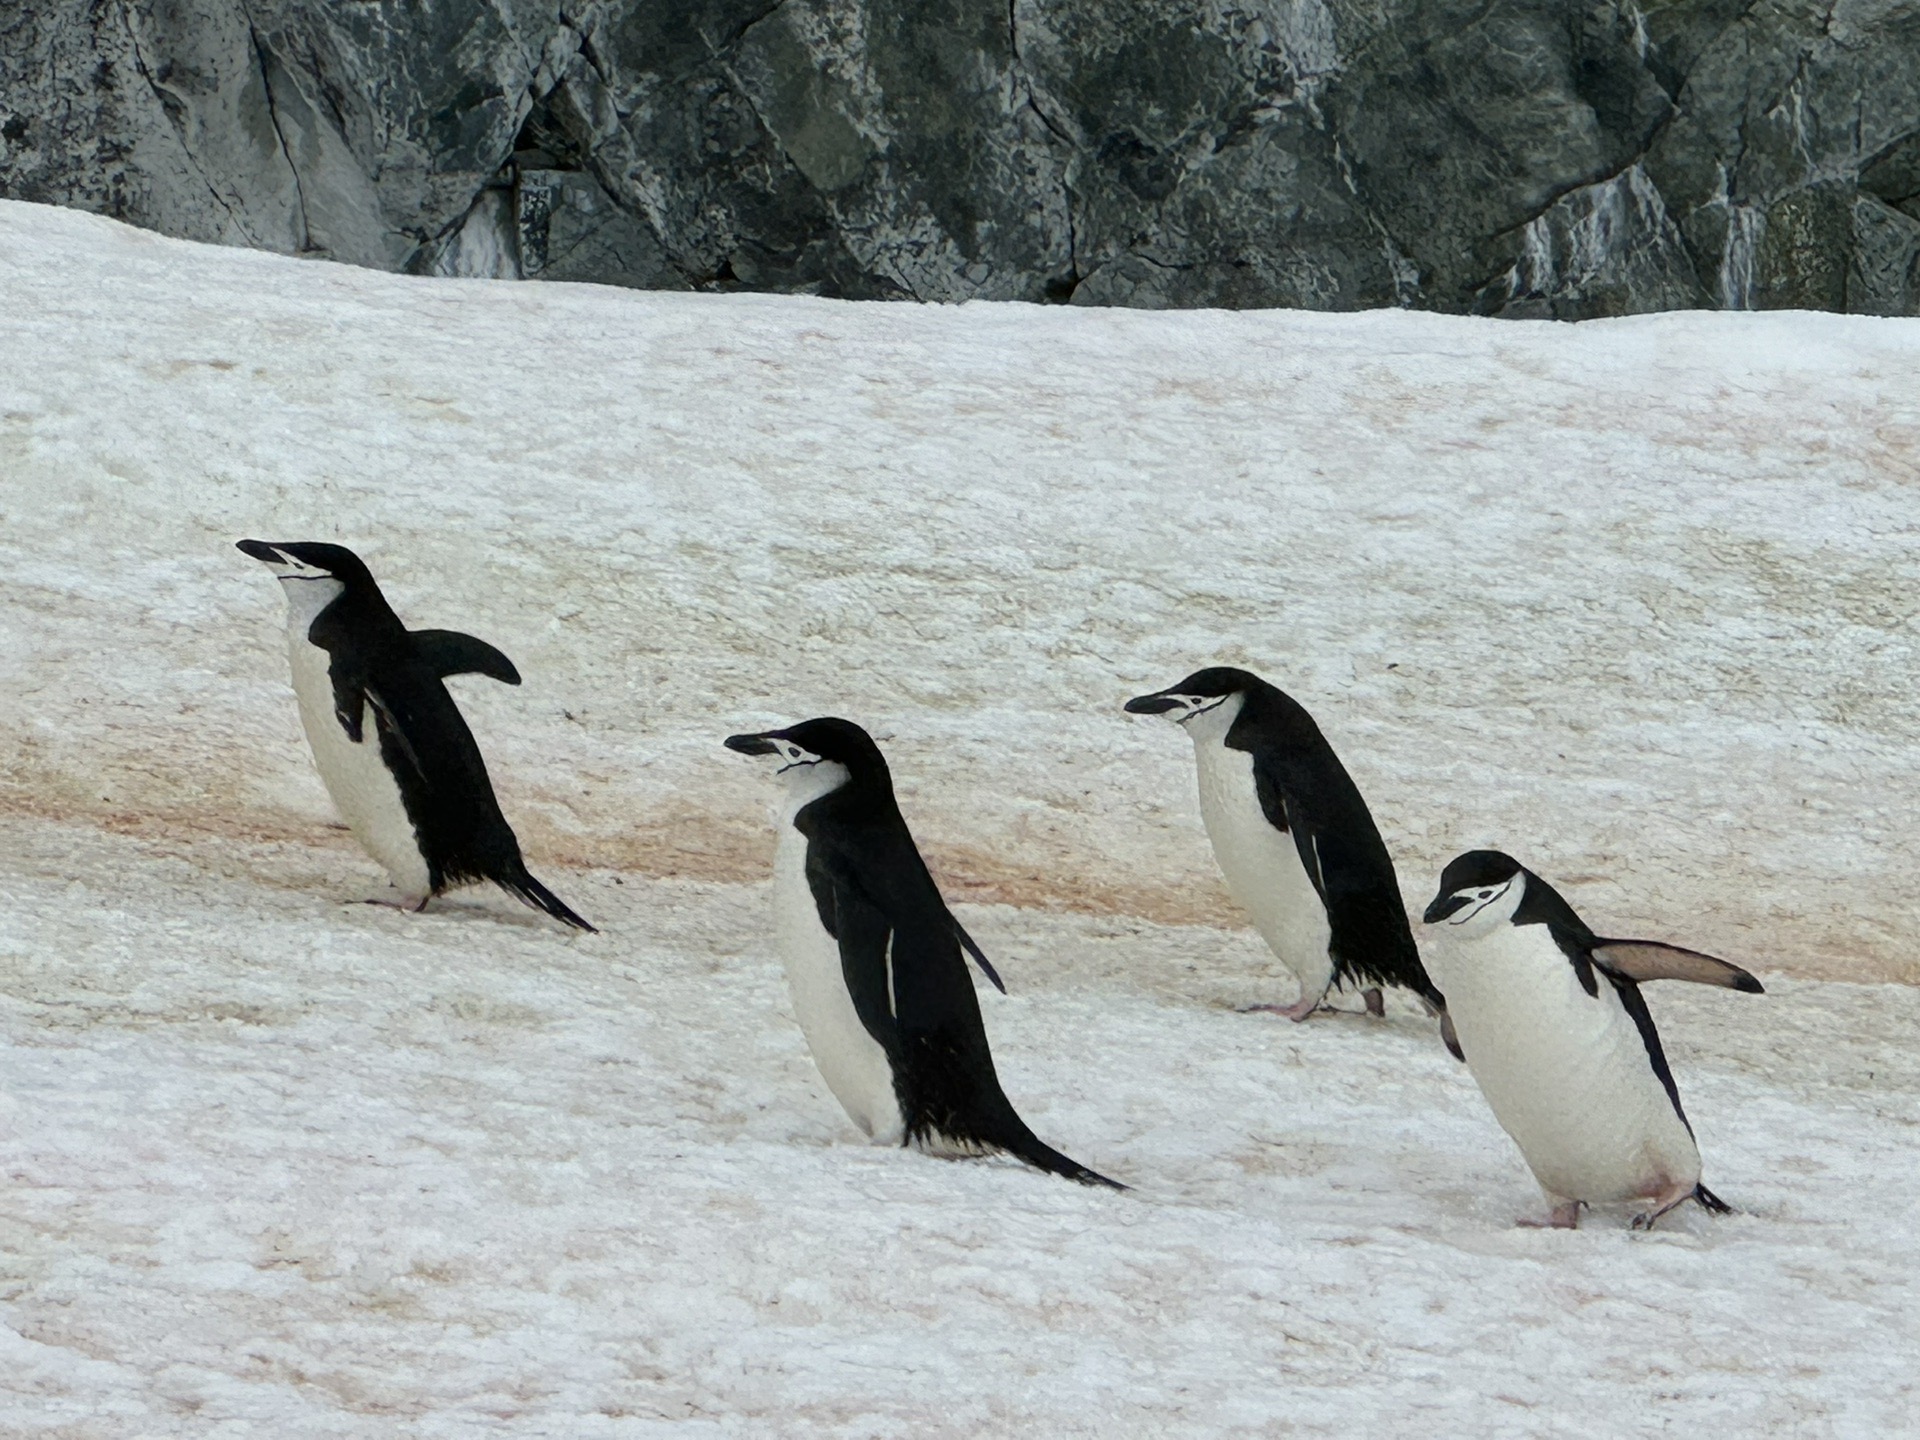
1633,600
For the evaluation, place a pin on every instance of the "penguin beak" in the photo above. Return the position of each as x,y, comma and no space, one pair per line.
751,744
1157,703
285,564
1442,906
260,550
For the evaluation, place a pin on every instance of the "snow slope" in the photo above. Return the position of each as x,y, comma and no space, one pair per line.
1632,599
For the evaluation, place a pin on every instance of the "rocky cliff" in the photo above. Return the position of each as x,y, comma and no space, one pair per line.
1564,158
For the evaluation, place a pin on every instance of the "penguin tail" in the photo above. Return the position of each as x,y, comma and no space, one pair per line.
1711,1202
529,891
1042,1156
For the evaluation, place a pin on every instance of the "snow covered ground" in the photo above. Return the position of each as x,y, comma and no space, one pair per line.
1632,599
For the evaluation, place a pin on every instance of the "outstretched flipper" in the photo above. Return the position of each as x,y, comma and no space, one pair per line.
529,891
448,652
1644,960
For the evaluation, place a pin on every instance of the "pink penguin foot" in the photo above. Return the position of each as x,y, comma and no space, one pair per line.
1295,1012
1376,1002
1564,1216
1670,1199
395,900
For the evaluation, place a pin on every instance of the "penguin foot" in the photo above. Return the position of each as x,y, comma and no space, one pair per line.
1668,1200
1563,1216
1295,1012
1376,1002
395,900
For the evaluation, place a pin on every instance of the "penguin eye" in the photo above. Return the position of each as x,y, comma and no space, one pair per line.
1485,893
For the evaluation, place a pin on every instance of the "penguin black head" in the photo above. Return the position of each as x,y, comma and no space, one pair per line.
309,560
1480,882
1201,692
815,751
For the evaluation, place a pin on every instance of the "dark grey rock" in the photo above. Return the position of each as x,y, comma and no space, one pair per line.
1782,113
1605,249
569,228
1893,176
1467,119
353,132
1562,158
1884,274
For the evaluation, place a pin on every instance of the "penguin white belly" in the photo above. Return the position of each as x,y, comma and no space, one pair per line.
363,789
851,1061
1262,867
1566,1073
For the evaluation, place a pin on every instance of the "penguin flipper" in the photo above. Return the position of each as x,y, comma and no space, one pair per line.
865,936
346,672
1450,1039
448,652
389,727
1644,960
349,698
529,891
1370,943
986,967
909,985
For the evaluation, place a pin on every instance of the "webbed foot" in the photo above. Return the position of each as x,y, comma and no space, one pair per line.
1667,1200
1295,1012
1565,1215
399,900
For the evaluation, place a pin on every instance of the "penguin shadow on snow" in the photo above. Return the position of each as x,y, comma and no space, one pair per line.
391,746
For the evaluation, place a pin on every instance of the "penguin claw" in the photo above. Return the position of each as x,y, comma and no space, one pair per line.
1671,1200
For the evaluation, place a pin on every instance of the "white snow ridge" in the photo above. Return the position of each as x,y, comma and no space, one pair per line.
1633,600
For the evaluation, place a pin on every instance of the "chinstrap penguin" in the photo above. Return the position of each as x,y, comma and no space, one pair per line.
1300,852
874,958
411,784
1550,1020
